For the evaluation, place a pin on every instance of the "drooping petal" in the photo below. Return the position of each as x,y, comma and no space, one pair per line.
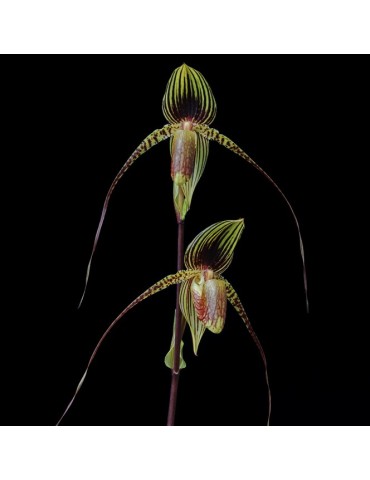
183,194
169,358
212,134
188,97
237,304
178,277
197,328
213,248
155,137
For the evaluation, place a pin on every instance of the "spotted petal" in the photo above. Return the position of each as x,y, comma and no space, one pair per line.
237,304
214,247
153,139
188,97
213,134
178,277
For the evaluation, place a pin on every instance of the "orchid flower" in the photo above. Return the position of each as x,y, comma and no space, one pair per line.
190,107
204,291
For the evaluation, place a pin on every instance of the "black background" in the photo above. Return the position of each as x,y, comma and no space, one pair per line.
69,126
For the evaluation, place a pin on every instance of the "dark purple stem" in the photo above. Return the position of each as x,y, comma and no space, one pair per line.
178,332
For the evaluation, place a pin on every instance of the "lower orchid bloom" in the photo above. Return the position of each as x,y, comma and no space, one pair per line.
203,295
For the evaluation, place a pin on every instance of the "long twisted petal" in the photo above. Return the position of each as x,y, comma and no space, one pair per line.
212,134
155,137
237,304
178,277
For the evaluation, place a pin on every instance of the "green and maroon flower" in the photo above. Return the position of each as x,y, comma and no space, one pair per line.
204,292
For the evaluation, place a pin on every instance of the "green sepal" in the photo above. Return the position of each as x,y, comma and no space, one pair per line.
188,97
214,247
197,328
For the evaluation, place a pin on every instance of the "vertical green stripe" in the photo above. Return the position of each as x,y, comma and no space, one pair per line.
188,96
214,247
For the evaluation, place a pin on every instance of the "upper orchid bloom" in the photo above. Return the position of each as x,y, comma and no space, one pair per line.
204,291
190,107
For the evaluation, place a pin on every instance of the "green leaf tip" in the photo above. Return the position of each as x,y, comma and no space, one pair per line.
169,359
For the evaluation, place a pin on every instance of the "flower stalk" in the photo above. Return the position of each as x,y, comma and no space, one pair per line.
175,378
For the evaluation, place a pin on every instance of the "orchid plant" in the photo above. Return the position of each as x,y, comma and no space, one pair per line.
189,108
203,293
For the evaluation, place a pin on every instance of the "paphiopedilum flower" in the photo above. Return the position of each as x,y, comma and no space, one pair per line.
189,107
204,291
